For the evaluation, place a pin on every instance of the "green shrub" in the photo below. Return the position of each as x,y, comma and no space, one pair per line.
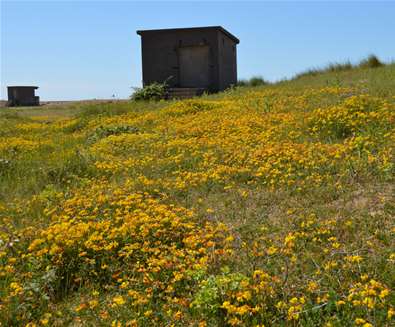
253,81
242,82
257,81
370,62
155,91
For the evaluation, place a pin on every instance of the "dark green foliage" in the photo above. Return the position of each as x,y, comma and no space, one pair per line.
253,81
257,81
371,62
154,91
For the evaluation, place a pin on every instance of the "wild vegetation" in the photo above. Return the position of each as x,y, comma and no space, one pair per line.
253,81
264,206
371,61
154,91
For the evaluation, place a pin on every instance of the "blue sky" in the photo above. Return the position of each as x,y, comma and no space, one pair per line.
89,49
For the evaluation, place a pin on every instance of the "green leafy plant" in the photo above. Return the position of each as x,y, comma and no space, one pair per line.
155,91
253,81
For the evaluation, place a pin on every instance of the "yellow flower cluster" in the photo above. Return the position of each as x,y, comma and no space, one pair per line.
222,143
17,144
368,295
356,114
293,308
130,239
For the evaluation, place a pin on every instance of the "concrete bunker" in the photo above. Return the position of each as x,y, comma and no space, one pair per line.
201,58
22,96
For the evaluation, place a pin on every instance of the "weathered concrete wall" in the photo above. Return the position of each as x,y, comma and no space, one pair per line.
22,96
228,61
160,55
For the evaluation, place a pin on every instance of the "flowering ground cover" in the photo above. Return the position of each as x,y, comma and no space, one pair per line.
266,206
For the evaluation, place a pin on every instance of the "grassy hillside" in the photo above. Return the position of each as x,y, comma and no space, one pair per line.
266,206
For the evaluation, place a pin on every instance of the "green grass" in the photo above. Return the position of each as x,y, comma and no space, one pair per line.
377,81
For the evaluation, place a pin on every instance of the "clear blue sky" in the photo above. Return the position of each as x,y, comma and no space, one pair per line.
89,49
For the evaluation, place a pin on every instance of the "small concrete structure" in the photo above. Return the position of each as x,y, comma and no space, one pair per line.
201,58
22,96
